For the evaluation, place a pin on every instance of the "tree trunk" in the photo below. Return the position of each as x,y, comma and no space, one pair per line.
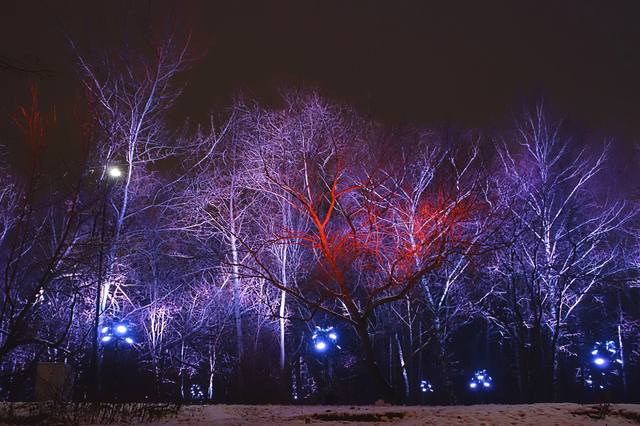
385,391
283,299
554,357
403,367
212,366
623,370
236,308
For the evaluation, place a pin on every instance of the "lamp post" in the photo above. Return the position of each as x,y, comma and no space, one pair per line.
325,340
113,173
115,336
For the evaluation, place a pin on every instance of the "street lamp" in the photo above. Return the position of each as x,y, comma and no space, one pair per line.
606,354
116,338
102,334
114,172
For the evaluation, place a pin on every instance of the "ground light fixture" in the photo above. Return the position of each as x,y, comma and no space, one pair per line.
117,331
426,386
605,362
481,381
324,339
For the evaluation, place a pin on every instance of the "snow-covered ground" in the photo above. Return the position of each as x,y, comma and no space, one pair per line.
537,414
272,415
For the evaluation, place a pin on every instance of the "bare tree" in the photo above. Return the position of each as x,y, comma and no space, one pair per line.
362,258
40,246
448,299
132,92
562,250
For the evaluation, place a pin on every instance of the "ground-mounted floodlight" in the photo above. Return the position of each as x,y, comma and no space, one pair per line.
117,331
325,340
426,386
196,393
121,329
606,355
481,381
606,361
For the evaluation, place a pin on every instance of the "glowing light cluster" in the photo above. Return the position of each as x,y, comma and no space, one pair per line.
606,362
481,381
196,392
325,339
426,386
605,354
118,330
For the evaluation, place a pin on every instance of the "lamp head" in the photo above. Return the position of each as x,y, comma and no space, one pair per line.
114,172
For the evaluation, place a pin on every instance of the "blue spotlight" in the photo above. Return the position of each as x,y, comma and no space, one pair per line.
426,386
606,362
321,346
325,339
481,381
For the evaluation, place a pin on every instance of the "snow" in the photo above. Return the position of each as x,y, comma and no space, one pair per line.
535,414
564,414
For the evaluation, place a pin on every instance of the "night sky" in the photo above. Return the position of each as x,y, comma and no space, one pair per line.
469,63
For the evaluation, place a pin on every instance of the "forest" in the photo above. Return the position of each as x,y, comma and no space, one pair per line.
304,251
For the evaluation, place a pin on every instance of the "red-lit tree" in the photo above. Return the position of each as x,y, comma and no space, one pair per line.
363,257
41,247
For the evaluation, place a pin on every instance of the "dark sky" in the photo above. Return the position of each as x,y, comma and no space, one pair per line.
467,62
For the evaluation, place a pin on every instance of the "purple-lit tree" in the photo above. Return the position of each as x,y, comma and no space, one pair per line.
131,90
562,235
218,207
